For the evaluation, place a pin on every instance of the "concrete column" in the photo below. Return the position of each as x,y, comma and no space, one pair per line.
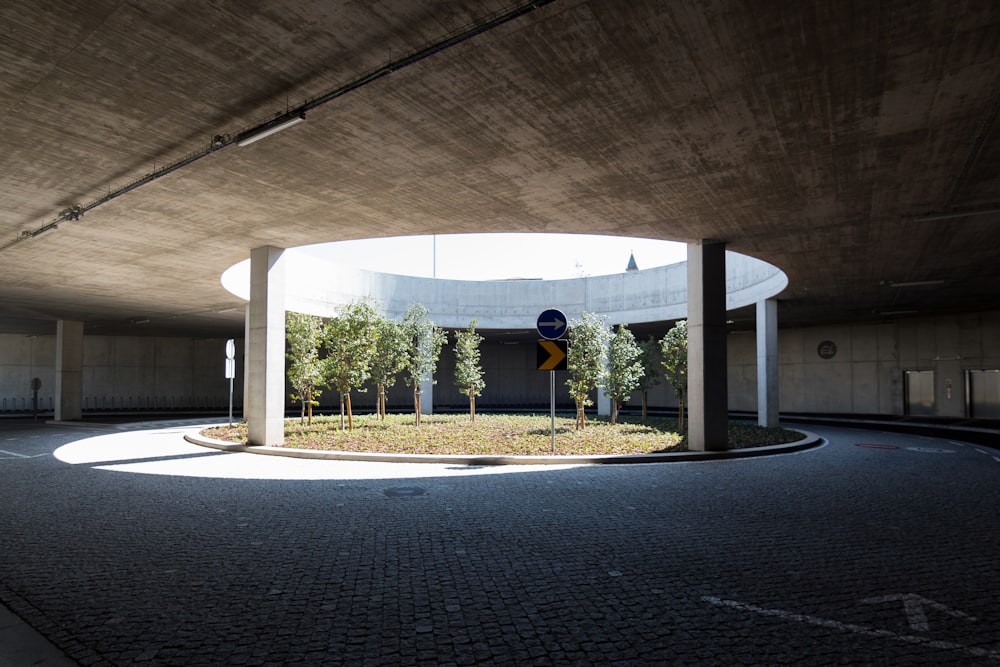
708,401
427,397
246,365
603,404
69,370
264,401
767,363
603,400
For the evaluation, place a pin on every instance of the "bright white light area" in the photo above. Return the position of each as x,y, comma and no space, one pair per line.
501,256
163,451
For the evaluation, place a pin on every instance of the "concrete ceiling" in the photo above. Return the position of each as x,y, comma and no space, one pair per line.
810,135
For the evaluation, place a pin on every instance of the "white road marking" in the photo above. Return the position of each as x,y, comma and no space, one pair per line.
914,605
851,627
20,456
931,450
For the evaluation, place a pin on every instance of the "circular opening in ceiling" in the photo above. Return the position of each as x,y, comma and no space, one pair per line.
500,256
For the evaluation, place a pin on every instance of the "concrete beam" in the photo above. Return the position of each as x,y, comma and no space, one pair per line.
264,400
69,370
708,399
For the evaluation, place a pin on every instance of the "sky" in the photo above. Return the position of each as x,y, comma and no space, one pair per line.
501,256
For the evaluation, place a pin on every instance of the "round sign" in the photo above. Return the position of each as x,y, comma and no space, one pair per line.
230,349
551,324
827,349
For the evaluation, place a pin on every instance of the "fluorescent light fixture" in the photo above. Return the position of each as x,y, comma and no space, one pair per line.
948,216
898,312
266,130
918,283
44,231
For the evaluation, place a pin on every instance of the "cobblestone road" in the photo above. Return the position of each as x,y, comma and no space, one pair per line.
132,547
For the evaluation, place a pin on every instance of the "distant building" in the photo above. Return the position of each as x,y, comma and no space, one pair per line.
632,266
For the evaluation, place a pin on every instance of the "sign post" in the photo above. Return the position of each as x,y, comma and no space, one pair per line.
230,373
551,324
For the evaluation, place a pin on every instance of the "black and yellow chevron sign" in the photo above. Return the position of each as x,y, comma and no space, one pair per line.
552,354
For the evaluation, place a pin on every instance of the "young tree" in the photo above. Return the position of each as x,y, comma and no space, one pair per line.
389,359
468,371
305,370
423,346
350,340
585,361
624,369
673,349
649,357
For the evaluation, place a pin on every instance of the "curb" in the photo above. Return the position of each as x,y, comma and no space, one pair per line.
809,441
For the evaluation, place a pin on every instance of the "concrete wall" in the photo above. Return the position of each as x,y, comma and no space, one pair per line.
865,376
121,373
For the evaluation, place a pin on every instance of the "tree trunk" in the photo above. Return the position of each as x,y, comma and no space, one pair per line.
472,407
380,407
680,415
416,403
614,411
341,412
350,414
302,413
310,395
581,417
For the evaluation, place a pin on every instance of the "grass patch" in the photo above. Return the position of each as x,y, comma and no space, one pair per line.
500,435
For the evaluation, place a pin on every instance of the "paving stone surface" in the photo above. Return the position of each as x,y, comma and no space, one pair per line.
130,547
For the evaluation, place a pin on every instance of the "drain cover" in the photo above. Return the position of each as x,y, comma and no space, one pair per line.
404,491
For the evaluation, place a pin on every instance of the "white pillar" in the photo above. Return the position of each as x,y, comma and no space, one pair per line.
69,370
767,363
708,400
264,401
603,400
427,397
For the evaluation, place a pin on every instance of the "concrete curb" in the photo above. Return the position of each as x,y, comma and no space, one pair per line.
810,440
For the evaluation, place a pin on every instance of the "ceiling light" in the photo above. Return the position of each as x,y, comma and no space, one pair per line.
267,129
930,217
898,312
918,283
48,229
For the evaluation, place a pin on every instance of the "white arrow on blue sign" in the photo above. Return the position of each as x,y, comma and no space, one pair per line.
551,324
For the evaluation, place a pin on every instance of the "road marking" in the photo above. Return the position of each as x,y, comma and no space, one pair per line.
852,627
914,605
931,450
21,456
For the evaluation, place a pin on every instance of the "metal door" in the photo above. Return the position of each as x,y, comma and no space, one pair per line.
920,393
984,394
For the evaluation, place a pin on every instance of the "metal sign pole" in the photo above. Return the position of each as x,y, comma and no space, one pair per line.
552,407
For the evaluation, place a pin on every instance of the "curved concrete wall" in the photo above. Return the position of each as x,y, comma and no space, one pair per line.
318,287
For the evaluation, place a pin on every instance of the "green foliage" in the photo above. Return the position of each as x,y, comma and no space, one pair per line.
502,435
468,371
390,357
673,350
624,368
304,334
423,347
585,359
649,358
350,341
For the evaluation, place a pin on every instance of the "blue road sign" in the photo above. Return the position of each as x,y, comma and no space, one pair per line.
551,324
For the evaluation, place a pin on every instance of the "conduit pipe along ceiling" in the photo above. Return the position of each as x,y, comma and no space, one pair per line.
650,295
